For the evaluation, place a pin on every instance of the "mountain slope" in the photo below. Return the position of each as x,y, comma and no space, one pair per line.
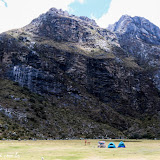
73,79
140,38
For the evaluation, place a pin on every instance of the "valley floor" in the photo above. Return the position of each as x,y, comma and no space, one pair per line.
77,150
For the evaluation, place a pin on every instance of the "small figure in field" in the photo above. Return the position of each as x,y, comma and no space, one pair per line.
87,142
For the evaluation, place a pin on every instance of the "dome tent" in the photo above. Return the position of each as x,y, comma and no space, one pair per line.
101,144
121,145
111,145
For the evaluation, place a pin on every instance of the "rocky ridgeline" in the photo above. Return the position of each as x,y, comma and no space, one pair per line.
64,16
58,25
59,12
138,28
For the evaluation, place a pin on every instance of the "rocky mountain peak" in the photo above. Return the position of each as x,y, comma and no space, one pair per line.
137,27
120,25
59,26
54,13
60,12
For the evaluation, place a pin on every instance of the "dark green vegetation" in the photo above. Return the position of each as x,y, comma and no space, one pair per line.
64,77
27,115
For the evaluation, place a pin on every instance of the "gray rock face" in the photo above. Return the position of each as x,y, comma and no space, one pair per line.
140,38
157,79
88,20
138,28
61,26
35,79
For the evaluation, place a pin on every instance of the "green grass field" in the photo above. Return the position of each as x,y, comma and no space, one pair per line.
76,150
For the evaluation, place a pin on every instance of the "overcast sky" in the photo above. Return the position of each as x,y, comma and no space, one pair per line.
18,13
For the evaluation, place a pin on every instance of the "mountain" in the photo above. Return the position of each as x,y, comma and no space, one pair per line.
63,76
140,38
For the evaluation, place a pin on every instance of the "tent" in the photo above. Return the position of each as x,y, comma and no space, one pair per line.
101,144
111,145
121,145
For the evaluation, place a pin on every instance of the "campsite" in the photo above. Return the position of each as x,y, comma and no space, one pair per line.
80,80
77,150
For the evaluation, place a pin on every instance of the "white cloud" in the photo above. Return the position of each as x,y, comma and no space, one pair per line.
21,12
148,9
81,1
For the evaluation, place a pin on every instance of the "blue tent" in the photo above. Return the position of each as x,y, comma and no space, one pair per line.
111,145
121,145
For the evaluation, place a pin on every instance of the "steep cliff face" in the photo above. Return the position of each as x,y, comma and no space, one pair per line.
81,82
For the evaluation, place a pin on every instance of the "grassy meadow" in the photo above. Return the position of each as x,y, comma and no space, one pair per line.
76,150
